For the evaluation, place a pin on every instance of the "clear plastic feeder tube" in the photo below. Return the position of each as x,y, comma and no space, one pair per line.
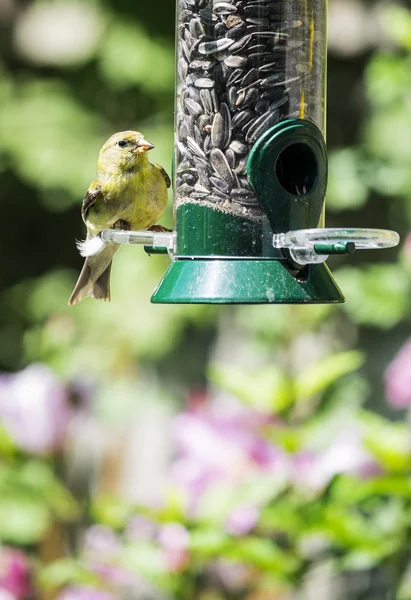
243,66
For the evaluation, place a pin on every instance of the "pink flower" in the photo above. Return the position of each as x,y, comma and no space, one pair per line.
140,529
102,549
174,540
14,572
346,454
85,593
406,248
242,520
397,378
222,444
5,595
34,408
231,575
101,541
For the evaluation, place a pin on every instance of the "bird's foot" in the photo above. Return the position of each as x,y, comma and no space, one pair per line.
121,224
159,229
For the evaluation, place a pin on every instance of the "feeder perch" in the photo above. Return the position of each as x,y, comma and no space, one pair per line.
250,160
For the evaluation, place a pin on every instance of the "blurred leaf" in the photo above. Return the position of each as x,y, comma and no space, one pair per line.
283,516
60,138
387,78
7,446
320,376
143,559
404,592
377,295
110,511
263,554
388,442
208,542
267,389
350,529
353,490
396,22
40,478
128,55
49,294
64,572
23,520
346,188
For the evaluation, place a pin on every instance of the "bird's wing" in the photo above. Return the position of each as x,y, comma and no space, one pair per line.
164,174
91,196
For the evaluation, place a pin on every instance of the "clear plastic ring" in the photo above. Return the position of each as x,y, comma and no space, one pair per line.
313,246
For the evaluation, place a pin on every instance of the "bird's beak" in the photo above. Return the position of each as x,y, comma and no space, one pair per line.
143,146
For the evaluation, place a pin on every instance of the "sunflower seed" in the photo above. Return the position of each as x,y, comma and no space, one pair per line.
194,147
241,118
232,98
220,184
236,31
235,62
251,77
223,8
238,147
230,156
240,44
242,165
204,121
221,131
261,124
206,101
182,68
200,188
196,28
204,82
193,107
220,165
234,77
215,46
185,189
202,65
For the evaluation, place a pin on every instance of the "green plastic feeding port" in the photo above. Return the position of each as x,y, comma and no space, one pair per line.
250,160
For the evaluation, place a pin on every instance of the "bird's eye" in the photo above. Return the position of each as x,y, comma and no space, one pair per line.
122,143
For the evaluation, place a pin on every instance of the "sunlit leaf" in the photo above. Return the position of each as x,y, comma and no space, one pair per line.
377,295
320,376
267,389
396,22
23,520
66,571
128,55
346,187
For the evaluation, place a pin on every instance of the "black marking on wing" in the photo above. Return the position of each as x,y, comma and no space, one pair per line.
89,200
164,174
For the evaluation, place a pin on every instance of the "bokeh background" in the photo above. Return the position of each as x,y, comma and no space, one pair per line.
195,452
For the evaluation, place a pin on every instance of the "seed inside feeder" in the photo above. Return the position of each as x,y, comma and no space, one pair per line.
243,66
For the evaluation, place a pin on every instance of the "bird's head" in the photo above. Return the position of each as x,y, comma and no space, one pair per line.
123,151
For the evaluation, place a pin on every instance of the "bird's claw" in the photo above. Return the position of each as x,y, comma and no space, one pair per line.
159,229
123,225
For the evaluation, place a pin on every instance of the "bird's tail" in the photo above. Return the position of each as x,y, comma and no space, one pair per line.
94,279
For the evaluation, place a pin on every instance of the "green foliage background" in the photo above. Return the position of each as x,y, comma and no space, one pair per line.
54,115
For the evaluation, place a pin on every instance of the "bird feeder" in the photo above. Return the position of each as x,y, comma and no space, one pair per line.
250,160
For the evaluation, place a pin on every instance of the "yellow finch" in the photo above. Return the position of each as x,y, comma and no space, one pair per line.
128,193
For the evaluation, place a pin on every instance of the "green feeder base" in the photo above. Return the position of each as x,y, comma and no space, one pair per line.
243,281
